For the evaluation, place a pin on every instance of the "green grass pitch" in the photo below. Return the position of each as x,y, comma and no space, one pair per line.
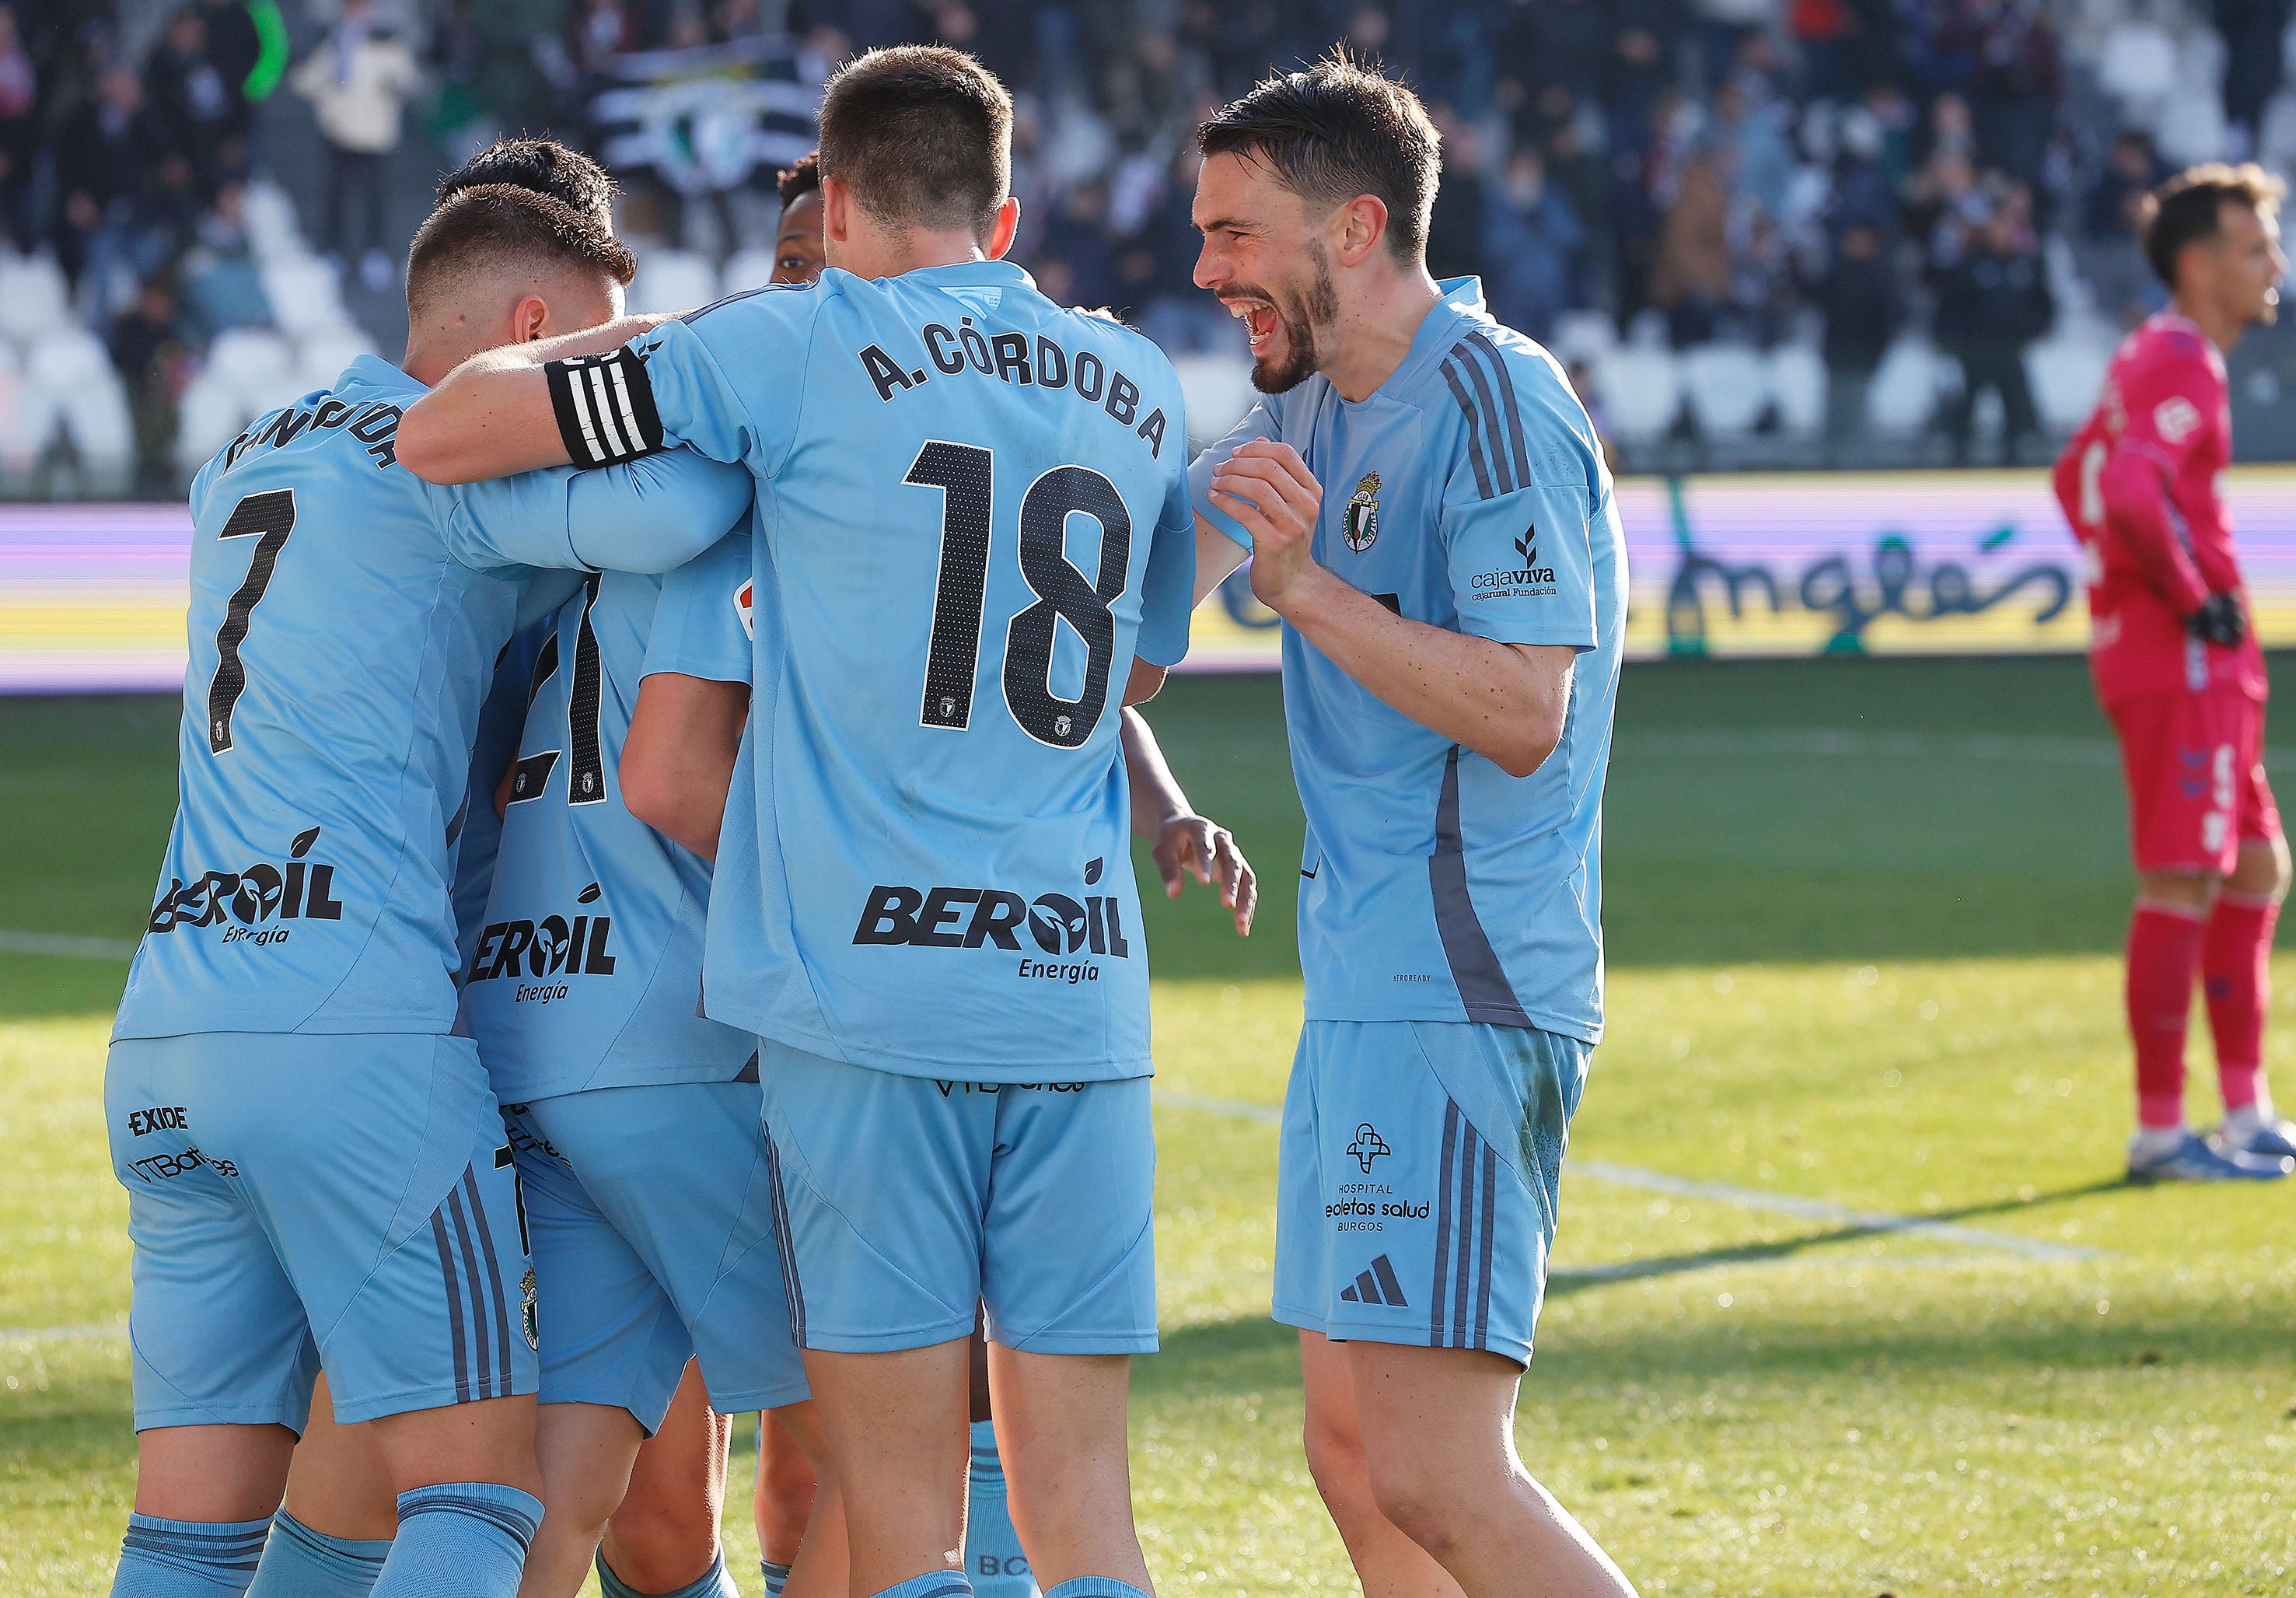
1863,929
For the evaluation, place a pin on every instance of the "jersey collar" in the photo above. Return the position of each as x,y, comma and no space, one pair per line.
974,274
376,372
1461,303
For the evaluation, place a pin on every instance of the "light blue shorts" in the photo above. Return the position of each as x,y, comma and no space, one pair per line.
651,1213
299,1202
908,1201
1418,1184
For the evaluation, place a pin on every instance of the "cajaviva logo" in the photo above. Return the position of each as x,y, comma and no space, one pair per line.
296,889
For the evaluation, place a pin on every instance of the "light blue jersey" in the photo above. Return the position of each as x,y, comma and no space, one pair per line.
974,510
345,621
1468,492
587,970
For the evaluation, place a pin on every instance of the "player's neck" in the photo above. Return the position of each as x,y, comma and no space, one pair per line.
432,352
910,251
1375,330
2219,328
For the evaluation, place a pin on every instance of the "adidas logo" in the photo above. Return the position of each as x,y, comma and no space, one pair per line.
1376,1285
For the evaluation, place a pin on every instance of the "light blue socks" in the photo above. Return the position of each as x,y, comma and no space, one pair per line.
459,1539
992,1550
940,1583
299,1562
187,1559
1095,1586
776,1578
713,1582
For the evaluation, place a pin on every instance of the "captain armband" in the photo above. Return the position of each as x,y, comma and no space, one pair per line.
605,409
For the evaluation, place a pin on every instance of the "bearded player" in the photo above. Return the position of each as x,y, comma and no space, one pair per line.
2176,666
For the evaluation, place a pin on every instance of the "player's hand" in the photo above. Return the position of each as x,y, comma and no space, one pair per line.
1190,846
1269,488
2219,620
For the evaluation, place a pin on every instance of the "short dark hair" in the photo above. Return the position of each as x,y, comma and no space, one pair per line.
2189,209
546,166
1338,129
498,223
799,179
922,135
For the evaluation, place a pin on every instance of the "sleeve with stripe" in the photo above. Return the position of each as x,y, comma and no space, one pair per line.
1517,510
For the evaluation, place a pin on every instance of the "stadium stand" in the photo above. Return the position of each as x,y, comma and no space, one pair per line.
1661,188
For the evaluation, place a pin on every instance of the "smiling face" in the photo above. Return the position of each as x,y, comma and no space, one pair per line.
2241,268
798,252
1266,256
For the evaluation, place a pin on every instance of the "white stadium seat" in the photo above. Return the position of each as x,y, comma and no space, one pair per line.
1582,335
2067,371
69,387
749,269
1641,390
1728,385
670,281
321,358
33,297
305,297
1906,386
1216,389
1798,383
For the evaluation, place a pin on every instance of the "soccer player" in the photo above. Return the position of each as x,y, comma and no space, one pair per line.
1453,609
316,1168
2178,671
974,513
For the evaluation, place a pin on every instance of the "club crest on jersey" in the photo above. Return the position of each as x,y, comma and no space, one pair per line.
529,1310
1359,526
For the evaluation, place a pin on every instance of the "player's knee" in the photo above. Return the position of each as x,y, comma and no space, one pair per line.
1417,1497
660,1548
784,1497
1335,1458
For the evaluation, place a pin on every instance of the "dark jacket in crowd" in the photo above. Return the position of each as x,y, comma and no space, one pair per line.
1862,311
1993,297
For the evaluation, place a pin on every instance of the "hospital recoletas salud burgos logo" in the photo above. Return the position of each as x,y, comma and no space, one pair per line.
1368,1146
1360,525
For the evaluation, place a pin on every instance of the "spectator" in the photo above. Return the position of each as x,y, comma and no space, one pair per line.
1532,241
1859,302
2253,31
203,114
147,348
1076,237
104,158
20,133
1691,279
2012,87
1992,303
219,274
1456,231
2106,248
1761,301
358,83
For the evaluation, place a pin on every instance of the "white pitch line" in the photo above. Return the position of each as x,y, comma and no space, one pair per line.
65,946
93,1333
2036,749
1722,1192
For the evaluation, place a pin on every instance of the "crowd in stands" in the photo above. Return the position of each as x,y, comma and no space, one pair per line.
1884,210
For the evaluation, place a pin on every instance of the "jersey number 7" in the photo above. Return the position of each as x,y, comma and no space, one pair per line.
267,517
965,473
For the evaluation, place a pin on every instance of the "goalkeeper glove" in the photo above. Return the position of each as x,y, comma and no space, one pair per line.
2218,620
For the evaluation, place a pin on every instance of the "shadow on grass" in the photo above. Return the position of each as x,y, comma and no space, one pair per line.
1564,1283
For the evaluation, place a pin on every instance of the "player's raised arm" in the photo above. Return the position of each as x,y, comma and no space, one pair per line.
494,414
1502,700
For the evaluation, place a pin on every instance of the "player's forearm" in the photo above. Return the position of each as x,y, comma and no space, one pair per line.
1156,794
1217,556
1503,702
2137,510
677,761
492,415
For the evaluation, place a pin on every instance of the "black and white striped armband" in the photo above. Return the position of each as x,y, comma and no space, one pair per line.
605,407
